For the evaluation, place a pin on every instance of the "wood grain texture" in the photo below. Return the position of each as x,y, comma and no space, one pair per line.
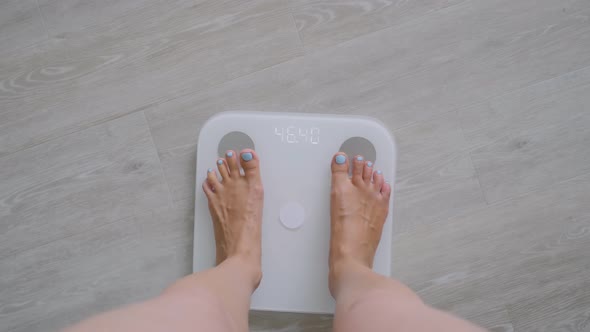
436,179
70,15
323,23
423,68
78,182
133,62
503,254
487,99
561,310
178,148
57,284
531,138
21,24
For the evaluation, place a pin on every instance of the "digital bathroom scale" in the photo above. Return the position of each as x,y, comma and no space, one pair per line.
295,153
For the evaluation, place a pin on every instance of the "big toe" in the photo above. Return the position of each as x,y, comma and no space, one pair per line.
250,163
340,166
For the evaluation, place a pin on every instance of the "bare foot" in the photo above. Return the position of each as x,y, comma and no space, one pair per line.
358,208
235,204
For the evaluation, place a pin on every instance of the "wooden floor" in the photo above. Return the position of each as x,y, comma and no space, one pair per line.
101,103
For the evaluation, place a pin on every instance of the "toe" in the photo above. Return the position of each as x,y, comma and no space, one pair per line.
212,180
340,165
386,191
358,163
232,163
368,172
222,168
250,163
377,180
207,190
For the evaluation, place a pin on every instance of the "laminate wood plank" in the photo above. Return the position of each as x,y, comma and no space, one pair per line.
21,24
55,285
426,67
178,148
531,138
78,182
70,15
436,179
502,254
131,63
530,107
496,320
323,23
561,310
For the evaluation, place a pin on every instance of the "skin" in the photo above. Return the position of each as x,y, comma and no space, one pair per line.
218,299
366,301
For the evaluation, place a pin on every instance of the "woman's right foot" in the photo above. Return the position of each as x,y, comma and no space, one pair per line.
235,204
358,208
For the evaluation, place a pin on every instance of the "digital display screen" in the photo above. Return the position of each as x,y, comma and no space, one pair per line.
294,134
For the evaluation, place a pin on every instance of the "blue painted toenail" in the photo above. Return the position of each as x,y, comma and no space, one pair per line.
230,154
209,170
247,156
219,162
359,158
370,164
379,172
340,159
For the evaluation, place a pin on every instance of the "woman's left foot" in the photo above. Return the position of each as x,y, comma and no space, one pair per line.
235,204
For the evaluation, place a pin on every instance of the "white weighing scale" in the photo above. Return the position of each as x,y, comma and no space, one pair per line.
295,153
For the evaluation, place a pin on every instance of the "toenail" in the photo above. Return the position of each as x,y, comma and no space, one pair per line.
230,154
247,156
219,162
369,164
359,158
340,159
209,170
379,172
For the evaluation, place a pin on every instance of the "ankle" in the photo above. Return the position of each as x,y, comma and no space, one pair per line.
249,266
341,270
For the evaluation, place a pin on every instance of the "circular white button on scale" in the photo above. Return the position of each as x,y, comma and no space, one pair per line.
292,215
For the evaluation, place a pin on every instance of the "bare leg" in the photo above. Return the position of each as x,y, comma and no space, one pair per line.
366,301
217,299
